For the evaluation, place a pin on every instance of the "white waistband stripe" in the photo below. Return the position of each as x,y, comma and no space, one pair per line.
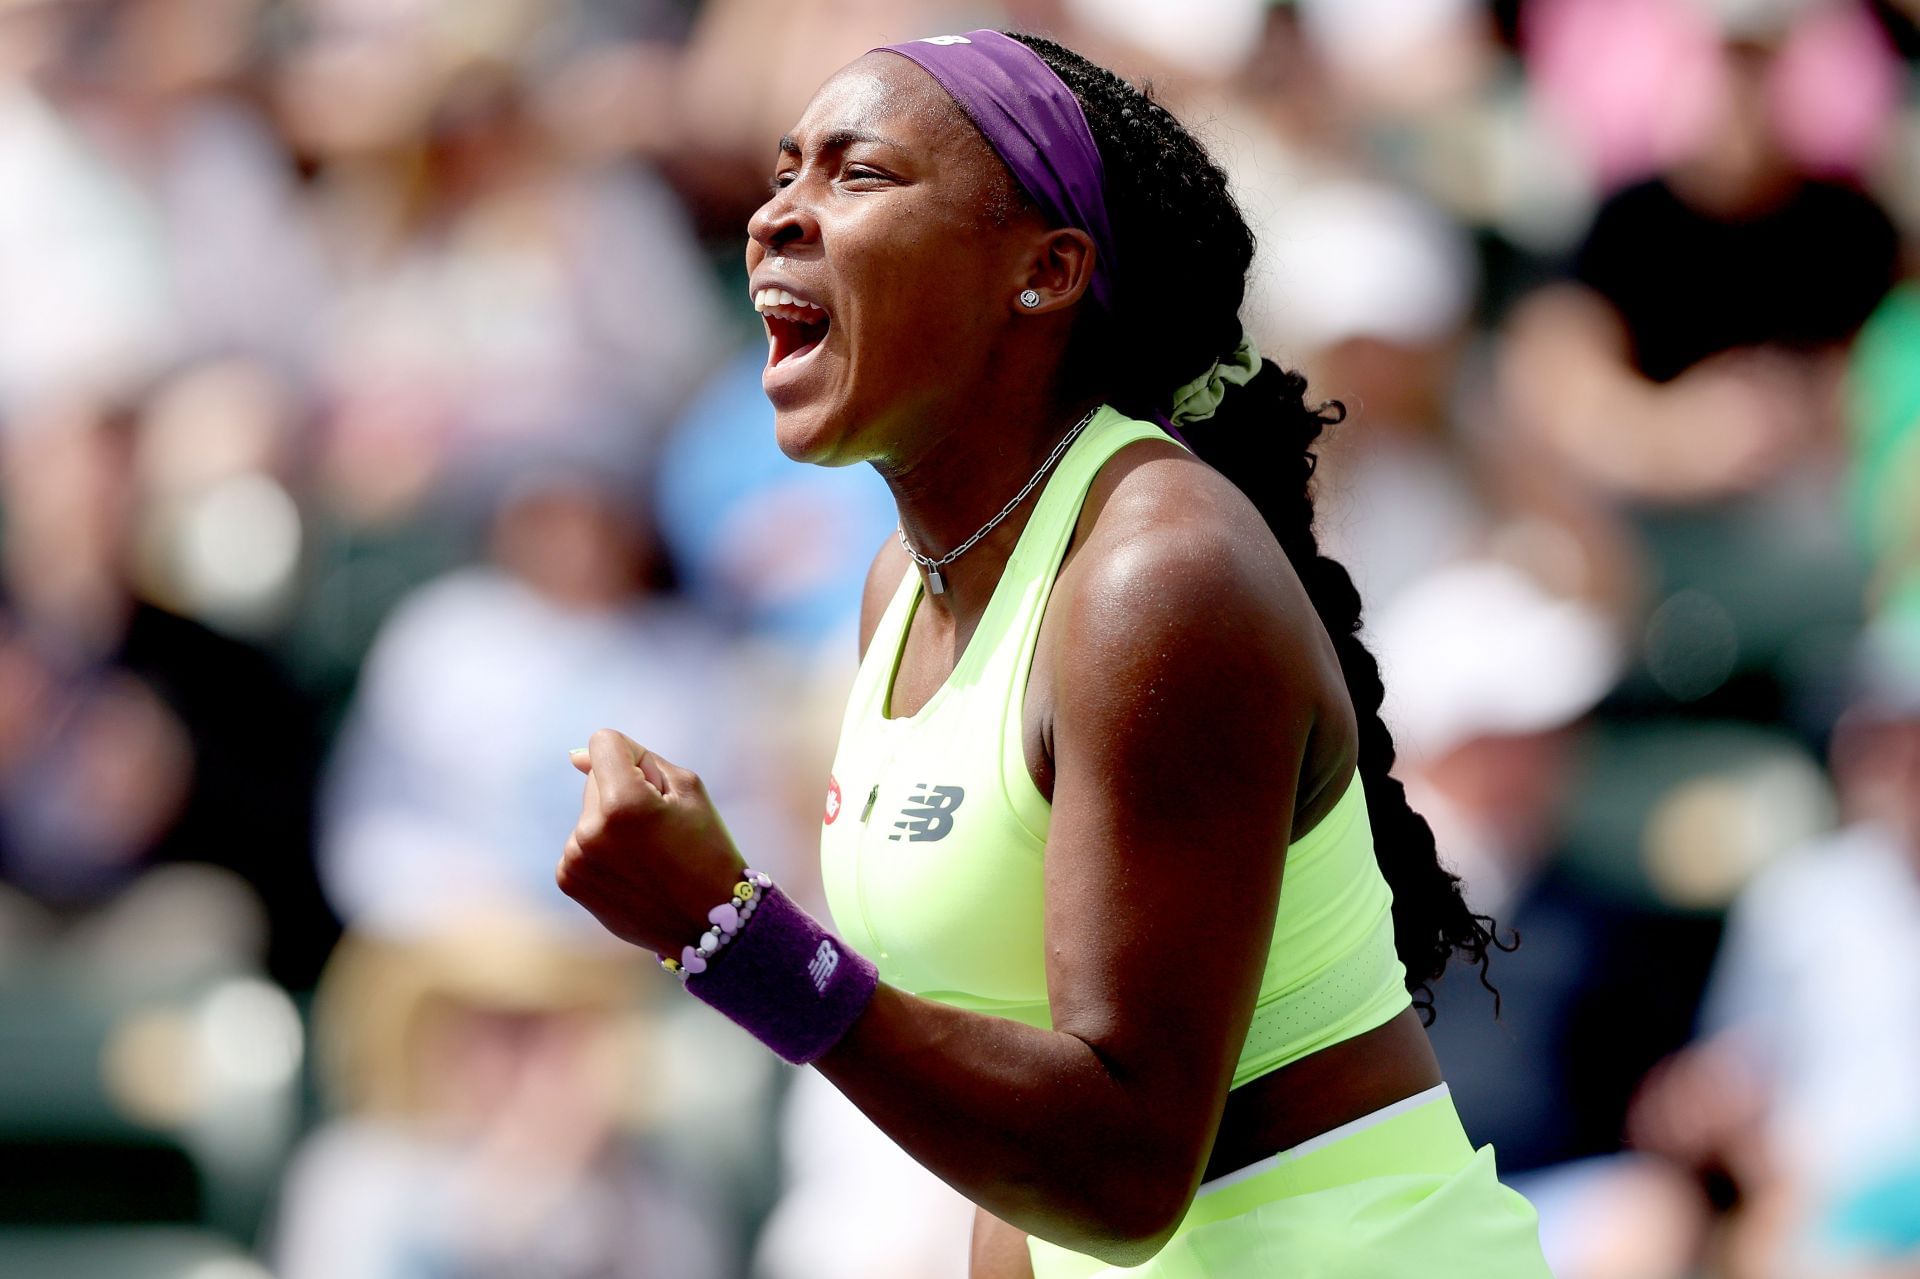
1325,1139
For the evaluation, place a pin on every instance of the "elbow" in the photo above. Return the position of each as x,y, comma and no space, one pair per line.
1128,1187
1138,1209
1131,1240
1136,1249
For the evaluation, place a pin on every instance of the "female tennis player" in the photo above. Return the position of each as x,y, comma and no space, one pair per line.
1130,914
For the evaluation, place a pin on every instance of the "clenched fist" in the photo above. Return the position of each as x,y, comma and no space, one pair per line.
649,855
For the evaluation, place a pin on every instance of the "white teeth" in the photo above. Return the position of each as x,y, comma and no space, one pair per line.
765,298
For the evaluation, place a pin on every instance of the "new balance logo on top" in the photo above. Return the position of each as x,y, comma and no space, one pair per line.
929,813
825,960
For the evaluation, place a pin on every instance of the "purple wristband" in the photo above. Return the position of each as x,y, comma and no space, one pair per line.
792,984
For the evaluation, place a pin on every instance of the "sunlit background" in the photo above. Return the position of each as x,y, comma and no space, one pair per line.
380,415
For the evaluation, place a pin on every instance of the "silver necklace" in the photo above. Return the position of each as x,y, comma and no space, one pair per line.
937,584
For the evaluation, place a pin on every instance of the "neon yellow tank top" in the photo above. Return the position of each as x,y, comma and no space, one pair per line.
934,832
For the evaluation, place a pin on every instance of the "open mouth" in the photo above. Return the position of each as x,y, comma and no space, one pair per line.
795,328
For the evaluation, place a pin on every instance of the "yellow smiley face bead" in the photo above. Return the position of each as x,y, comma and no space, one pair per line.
744,891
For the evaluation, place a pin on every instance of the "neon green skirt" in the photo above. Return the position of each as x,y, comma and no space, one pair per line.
1399,1192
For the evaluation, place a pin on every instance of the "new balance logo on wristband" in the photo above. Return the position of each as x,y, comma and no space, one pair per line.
825,960
929,813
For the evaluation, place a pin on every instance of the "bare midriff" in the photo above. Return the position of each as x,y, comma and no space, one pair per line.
1334,1086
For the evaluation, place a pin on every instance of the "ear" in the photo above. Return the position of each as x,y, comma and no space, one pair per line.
1060,271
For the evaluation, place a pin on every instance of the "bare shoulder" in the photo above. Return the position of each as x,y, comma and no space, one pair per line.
1181,644
1171,549
883,578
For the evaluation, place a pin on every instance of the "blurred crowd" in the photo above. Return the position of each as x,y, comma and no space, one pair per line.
380,415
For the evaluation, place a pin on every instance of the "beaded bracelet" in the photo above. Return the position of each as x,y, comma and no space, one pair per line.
790,983
728,918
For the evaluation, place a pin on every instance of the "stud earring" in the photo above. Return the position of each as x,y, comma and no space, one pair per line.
1029,298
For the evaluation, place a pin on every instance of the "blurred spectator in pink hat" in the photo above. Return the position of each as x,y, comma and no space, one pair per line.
1689,373
1695,355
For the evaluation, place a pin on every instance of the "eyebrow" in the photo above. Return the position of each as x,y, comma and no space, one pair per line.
836,139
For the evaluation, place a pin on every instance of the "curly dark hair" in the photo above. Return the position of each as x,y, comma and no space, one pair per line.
1184,252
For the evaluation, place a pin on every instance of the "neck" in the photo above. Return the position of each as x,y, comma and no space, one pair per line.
969,466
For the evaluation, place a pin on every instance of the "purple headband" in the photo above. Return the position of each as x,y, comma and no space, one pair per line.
1032,119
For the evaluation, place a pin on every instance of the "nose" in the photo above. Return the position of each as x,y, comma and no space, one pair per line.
782,221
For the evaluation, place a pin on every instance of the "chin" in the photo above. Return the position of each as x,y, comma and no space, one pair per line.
813,435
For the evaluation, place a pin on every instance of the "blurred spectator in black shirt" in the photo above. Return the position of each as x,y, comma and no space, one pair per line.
1696,355
141,737
1796,263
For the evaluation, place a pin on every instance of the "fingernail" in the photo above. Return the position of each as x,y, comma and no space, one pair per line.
577,750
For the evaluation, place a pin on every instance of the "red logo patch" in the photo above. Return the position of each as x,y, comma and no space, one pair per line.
833,799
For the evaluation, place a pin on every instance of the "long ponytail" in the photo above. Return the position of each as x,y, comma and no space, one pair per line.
1262,438
1187,250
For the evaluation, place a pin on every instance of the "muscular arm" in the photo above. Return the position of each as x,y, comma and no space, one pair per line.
1179,729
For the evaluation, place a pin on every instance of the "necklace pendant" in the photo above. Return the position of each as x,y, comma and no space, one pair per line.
936,584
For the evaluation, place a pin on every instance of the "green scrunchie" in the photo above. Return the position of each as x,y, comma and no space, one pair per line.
1196,401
